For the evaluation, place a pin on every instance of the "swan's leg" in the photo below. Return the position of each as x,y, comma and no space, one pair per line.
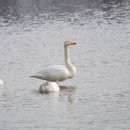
57,83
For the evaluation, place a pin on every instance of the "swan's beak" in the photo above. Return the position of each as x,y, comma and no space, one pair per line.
72,43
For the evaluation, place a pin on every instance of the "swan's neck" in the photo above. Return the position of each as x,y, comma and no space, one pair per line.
68,63
67,58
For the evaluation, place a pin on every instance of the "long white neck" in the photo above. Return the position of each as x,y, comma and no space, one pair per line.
68,63
67,58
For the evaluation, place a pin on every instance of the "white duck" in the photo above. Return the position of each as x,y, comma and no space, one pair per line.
49,87
1,82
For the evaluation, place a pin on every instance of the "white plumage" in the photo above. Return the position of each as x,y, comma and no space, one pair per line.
1,82
49,87
54,73
59,73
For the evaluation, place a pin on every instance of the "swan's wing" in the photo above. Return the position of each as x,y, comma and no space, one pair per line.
53,73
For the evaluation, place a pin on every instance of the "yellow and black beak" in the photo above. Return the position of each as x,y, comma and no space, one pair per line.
72,43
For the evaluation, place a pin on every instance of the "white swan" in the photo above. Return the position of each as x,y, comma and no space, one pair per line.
1,82
59,73
49,87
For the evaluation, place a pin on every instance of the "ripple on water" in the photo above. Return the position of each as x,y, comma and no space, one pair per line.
32,35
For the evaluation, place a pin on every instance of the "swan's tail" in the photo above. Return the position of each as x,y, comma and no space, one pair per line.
37,76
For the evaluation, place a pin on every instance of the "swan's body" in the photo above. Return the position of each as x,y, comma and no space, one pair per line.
59,73
54,73
1,82
49,87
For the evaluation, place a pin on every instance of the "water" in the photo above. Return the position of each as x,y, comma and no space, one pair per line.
31,37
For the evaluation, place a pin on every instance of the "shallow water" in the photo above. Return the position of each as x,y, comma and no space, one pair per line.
31,37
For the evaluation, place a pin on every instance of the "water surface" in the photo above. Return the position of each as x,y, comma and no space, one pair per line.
32,34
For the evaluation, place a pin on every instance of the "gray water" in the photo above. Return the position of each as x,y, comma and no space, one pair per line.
32,34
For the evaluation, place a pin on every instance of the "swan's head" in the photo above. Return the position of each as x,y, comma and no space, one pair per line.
68,43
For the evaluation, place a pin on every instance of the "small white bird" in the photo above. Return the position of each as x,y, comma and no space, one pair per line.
49,87
59,73
1,82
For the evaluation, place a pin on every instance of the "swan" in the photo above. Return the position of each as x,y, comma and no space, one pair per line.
58,73
1,82
49,87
